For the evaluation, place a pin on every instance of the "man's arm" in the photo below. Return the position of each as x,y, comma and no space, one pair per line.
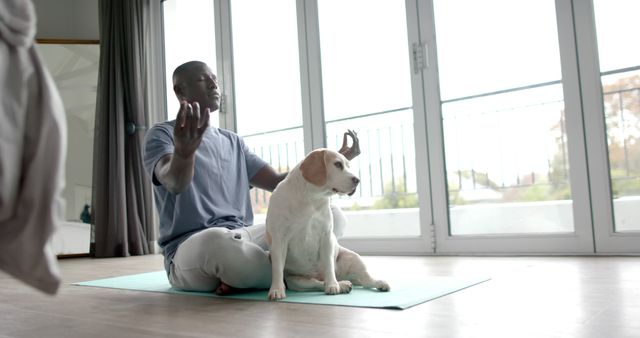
175,171
267,178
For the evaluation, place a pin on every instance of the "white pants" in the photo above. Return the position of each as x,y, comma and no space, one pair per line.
238,258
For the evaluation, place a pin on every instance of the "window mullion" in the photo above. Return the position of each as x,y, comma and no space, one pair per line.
428,126
224,61
573,107
311,75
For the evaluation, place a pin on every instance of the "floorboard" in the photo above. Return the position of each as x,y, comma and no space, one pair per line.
526,297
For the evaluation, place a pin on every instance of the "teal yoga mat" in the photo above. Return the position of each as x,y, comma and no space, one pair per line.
403,294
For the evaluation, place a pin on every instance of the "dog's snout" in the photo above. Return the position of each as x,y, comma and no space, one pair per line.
355,180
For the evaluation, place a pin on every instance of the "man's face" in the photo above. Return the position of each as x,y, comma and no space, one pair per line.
201,85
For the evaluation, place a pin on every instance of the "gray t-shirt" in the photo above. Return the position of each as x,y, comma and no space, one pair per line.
218,195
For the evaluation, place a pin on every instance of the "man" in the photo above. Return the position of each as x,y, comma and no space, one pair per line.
201,179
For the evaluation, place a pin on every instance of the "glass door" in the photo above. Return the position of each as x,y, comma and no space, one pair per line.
616,27
608,31
185,42
268,104
492,127
366,87
510,136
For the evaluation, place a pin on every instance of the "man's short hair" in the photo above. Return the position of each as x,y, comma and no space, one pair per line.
185,67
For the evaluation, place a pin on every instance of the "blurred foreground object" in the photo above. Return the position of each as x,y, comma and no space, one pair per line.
32,152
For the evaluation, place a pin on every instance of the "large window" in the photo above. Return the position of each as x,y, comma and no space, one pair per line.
189,33
619,55
503,117
267,85
482,123
367,88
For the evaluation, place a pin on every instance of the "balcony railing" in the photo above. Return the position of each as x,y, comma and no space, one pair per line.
386,166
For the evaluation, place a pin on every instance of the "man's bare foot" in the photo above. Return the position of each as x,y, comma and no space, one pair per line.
224,289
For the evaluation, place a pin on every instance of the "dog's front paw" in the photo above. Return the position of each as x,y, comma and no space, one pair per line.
332,289
344,286
276,293
382,285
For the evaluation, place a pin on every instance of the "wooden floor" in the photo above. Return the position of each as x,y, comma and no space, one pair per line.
527,297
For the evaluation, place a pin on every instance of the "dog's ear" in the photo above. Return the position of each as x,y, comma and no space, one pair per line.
314,169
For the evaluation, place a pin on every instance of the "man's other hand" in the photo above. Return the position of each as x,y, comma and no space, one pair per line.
353,151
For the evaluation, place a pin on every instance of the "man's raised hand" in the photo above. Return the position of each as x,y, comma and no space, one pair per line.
189,128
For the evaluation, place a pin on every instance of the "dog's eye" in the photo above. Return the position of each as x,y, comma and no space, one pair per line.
339,165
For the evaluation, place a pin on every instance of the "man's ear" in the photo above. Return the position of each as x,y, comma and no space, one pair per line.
177,88
314,169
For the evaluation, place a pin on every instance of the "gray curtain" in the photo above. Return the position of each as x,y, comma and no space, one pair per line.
122,200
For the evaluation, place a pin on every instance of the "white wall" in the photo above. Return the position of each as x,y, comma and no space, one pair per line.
79,174
72,19
67,19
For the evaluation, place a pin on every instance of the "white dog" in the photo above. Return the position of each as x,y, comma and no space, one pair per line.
304,250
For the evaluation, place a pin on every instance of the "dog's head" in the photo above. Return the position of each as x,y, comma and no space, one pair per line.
329,170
